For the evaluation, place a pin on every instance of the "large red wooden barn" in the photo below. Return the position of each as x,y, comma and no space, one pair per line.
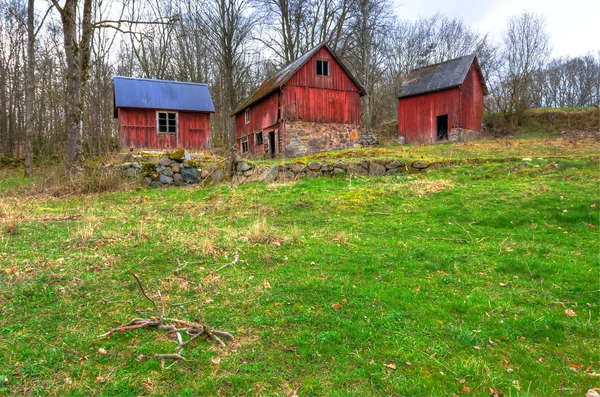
162,114
311,105
442,102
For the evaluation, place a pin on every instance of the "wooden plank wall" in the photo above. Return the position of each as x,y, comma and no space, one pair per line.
417,115
471,101
263,114
138,130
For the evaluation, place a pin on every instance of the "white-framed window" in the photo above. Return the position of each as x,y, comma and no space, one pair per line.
166,122
322,68
247,114
258,138
244,145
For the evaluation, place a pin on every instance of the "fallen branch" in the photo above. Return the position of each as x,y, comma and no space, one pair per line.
173,326
144,293
170,356
442,239
232,264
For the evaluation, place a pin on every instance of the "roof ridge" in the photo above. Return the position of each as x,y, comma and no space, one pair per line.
159,80
443,62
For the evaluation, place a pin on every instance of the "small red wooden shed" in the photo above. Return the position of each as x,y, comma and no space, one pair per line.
161,114
311,105
442,102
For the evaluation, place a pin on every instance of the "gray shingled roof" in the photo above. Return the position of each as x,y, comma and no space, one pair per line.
440,76
130,92
280,78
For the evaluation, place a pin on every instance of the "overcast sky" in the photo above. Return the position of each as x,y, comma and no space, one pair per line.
573,25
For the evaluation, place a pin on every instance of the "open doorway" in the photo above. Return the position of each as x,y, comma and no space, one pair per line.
272,144
442,127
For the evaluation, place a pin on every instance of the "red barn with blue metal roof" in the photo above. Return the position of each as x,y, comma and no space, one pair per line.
161,114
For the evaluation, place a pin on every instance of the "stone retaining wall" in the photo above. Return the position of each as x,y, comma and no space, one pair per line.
173,171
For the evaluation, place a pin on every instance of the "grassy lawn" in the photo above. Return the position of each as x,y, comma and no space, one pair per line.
482,150
460,280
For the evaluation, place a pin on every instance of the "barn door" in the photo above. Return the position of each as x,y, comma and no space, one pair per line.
442,127
272,144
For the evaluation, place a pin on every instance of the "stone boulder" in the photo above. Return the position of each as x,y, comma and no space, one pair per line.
298,167
314,166
269,175
376,169
420,164
180,155
243,166
165,162
190,175
166,180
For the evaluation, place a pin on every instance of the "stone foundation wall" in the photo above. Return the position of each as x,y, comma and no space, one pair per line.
462,135
175,169
303,138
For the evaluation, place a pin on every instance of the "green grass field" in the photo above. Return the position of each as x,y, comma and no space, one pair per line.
474,279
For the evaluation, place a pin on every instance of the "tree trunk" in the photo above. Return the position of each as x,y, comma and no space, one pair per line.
74,150
29,90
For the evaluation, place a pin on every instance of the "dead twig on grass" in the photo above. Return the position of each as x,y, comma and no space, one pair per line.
175,326
442,239
232,264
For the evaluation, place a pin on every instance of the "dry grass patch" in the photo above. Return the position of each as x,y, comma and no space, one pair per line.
422,187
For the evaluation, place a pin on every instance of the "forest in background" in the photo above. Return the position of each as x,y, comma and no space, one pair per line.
58,57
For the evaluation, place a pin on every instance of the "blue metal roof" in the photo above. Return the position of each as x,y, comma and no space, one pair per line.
161,94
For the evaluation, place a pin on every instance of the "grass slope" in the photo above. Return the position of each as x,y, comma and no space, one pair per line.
460,278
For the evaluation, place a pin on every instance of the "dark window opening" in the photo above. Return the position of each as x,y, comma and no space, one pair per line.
322,68
258,138
442,127
245,146
167,122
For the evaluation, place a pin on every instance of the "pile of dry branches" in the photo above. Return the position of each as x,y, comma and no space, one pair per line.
171,326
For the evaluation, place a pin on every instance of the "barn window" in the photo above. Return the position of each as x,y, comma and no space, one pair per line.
247,112
258,138
322,68
245,145
166,122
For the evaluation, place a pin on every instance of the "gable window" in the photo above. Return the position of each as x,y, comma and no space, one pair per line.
245,145
166,122
322,68
247,113
258,138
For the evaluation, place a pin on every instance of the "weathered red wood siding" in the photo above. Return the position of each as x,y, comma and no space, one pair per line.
471,103
138,130
263,114
417,115
322,99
